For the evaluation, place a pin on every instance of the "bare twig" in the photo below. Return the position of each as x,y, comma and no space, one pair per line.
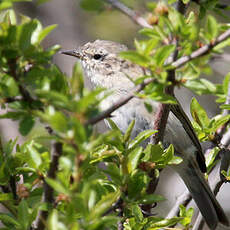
135,17
199,223
48,197
184,199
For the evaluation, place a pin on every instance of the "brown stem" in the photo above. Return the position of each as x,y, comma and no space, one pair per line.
48,196
135,17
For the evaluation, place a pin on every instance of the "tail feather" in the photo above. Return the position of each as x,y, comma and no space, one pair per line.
202,194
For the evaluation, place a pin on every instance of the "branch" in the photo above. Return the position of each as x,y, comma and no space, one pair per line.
201,51
48,196
184,199
199,223
135,17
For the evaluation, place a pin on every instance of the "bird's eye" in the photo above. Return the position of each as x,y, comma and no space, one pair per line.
97,56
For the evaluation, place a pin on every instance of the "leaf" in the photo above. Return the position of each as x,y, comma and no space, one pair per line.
23,214
212,27
57,186
92,5
137,213
35,159
162,54
168,154
135,57
210,159
137,184
151,198
104,204
45,32
200,86
26,124
141,137
53,220
199,114
129,131
9,220
6,196
133,159
25,33
165,223
153,153
218,121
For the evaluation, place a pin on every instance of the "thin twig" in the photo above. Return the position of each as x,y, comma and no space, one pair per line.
201,51
184,199
135,17
48,196
199,223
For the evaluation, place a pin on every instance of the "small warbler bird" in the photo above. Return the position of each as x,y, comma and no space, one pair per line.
104,67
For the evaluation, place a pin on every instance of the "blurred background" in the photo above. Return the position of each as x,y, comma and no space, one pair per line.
76,27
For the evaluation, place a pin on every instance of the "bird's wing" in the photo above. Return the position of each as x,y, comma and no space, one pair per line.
182,117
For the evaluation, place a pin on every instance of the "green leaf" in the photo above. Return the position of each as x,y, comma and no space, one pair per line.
212,27
28,33
6,196
57,186
185,1
129,131
26,124
137,184
151,198
92,5
133,159
162,54
218,121
135,57
57,120
137,213
200,86
53,220
8,86
104,204
168,154
141,137
23,214
210,159
35,159
153,153
199,114
165,223
45,32
39,2
9,220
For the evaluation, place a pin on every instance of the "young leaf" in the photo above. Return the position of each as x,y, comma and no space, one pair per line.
199,114
26,124
162,54
212,27
23,214
133,159
141,137
129,131
135,57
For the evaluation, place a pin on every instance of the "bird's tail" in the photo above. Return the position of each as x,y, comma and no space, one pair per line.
209,207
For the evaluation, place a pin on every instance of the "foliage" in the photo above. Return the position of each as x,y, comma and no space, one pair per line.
88,194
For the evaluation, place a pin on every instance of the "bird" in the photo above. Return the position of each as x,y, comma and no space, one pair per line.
104,67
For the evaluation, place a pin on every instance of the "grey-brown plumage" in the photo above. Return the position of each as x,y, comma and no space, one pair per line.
103,66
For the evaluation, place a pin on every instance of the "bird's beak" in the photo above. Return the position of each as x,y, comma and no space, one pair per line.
73,53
